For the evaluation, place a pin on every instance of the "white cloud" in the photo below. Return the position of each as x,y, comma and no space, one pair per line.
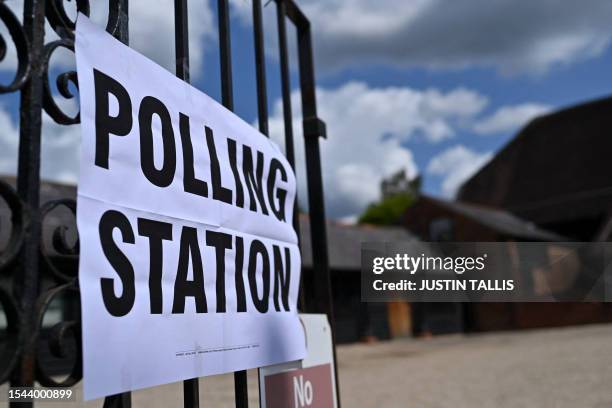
366,127
400,112
151,30
523,36
509,118
508,35
9,142
455,165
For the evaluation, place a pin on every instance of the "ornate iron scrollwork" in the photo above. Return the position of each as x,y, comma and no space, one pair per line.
8,352
21,44
66,276
56,340
64,27
59,20
62,82
60,244
18,220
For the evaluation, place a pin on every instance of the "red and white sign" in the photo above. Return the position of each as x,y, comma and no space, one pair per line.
305,387
307,383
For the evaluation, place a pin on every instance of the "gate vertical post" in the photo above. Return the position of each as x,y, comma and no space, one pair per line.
313,129
191,389
260,69
123,400
241,395
262,115
28,180
281,15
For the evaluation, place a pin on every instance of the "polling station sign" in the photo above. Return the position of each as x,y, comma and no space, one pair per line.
189,263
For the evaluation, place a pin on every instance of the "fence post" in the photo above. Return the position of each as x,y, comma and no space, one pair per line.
26,275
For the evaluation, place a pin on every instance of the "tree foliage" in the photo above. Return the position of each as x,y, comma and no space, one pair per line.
388,211
398,193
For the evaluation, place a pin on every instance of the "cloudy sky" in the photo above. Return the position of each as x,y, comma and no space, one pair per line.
433,87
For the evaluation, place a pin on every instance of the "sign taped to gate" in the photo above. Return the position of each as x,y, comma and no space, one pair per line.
189,263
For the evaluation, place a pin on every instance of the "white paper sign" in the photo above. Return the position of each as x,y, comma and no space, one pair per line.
189,264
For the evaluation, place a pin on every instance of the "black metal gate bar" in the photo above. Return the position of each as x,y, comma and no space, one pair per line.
241,395
123,400
313,127
288,121
225,55
191,390
122,33
181,39
285,82
26,282
260,69
260,74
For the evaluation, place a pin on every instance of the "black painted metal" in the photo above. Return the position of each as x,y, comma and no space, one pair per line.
181,39
118,25
321,298
191,391
241,392
225,54
281,12
26,285
29,279
260,69
118,401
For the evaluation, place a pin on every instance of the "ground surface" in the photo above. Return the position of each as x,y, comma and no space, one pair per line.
558,368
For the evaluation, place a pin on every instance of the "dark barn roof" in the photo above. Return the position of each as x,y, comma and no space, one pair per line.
504,224
499,220
556,169
344,242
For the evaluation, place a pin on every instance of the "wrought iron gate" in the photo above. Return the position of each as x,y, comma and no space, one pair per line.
29,279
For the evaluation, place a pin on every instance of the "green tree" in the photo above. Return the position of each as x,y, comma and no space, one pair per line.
398,193
388,211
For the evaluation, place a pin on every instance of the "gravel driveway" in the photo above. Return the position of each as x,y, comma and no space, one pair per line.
570,367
